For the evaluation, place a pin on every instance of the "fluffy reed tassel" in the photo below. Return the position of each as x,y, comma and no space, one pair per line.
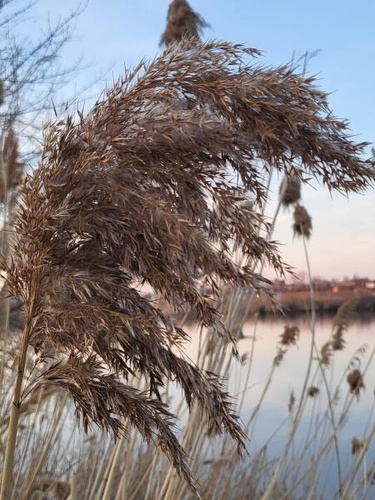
182,22
341,322
290,190
355,381
139,190
289,336
302,225
13,167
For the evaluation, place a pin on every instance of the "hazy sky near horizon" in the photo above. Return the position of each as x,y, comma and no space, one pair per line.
115,34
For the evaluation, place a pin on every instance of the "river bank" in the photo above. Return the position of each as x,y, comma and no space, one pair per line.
325,302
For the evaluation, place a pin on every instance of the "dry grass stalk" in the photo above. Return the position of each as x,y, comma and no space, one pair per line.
138,190
182,22
302,225
51,488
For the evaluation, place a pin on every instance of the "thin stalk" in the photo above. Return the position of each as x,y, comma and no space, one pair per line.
302,398
147,476
74,487
105,476
113,470
5,308
15,412
46,449
334,427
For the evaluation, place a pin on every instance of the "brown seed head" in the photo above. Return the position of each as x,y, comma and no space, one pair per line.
302,225
279,357
290,190
138,191
357,445
13,167
289,336
326,354
292,400
1,92
341,322
355,381
182,22
313,391
338,341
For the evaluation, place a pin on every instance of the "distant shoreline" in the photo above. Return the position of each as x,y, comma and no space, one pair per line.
326,302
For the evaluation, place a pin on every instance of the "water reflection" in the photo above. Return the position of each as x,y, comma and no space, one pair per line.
270,423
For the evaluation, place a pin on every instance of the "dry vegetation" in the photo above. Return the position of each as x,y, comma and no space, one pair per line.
163,182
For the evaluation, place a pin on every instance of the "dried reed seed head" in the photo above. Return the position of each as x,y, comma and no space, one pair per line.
138,190
244,358
326,354
289,336
290,190
292,401
346,312
355,381
313,391
182,22
279,357
358,445
302,225
343,317
13,167
338,341
1,92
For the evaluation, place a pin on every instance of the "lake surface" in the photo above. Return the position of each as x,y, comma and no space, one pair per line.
271,423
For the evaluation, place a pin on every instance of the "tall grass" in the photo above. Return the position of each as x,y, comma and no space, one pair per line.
164,183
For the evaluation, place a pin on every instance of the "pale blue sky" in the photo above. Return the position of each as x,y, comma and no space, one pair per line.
112,34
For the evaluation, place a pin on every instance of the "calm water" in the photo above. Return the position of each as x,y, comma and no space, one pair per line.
272,423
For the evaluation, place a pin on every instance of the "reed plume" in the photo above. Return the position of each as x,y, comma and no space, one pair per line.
358,445
11,163
182,22
341,322
326,353
302,225
290,190
289,336
140,190
355,382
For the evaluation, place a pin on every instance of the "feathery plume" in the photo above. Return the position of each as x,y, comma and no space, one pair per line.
11,163
290,190
326,353
355,381
341,322
302,225
138,190
289,336
182,22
